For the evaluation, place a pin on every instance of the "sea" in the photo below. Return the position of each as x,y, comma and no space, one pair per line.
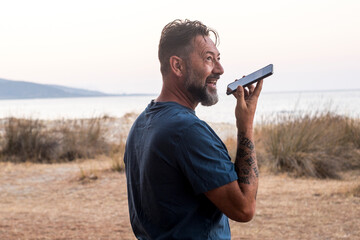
270,105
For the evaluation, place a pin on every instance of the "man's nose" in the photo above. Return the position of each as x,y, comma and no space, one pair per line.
218,69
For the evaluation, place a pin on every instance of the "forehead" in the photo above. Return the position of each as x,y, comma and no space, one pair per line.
204,44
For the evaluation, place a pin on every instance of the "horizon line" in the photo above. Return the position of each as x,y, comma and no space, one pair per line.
285,91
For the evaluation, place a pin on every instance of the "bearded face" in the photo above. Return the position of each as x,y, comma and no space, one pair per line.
201,87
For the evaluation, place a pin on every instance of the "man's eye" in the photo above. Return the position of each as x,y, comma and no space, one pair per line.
209,58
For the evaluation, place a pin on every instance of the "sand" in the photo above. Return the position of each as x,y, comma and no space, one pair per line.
86,200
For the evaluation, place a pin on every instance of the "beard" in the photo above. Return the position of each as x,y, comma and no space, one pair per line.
199,92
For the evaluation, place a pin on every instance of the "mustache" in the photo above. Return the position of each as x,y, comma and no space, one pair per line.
216,76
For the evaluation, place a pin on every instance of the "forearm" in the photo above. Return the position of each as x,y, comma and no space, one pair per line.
246,165
237,199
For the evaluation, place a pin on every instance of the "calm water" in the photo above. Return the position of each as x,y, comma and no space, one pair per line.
270,104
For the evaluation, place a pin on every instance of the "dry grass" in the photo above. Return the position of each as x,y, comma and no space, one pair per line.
355,191
352,132
117,156
27,139
316,145
310,145
82,139
59,141
299,208
350,191
231,145
39,201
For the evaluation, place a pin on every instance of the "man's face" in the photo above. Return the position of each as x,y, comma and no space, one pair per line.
203,70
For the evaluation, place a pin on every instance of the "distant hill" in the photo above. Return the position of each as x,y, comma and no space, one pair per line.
21,90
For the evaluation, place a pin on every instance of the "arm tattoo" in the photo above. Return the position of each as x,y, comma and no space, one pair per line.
246,142
250,161
241,153
256,171
245,163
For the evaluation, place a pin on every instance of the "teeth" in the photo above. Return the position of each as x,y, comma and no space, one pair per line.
212,82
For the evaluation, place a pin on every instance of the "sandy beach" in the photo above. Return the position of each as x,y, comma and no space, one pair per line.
86,200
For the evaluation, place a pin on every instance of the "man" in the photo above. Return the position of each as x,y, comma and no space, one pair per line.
181,182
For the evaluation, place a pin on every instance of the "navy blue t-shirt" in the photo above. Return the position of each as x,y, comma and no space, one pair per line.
171,159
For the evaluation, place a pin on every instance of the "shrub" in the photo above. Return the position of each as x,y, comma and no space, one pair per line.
315,145
30,140
26,139
117,156
352,132
82,139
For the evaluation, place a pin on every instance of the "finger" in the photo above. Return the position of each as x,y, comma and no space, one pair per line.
239,93
251,89
234,94
246,93
229,90
258,87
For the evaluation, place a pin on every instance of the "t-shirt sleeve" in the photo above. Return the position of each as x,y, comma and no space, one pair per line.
205,160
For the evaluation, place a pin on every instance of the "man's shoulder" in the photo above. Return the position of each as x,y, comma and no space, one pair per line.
170,117
171,112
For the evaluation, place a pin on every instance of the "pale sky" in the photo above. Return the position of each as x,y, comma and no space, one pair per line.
111,46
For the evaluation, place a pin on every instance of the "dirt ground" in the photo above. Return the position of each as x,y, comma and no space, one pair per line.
88,201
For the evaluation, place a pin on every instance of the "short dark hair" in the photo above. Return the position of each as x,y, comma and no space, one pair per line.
176,40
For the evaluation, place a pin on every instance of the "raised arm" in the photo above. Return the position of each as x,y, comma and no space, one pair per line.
237,199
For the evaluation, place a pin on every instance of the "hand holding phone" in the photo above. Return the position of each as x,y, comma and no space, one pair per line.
250,79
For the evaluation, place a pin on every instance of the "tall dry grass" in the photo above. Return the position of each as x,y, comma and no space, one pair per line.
37,141
82,139
27,139
117,156
317,145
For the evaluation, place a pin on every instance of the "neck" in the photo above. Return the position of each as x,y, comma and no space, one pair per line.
172,93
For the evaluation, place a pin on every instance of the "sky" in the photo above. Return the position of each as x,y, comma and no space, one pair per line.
112,45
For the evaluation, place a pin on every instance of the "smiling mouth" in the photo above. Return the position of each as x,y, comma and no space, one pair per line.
212,80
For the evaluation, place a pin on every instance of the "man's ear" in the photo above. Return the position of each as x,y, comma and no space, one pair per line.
177,66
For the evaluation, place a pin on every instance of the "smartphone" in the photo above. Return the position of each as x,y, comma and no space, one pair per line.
250,79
